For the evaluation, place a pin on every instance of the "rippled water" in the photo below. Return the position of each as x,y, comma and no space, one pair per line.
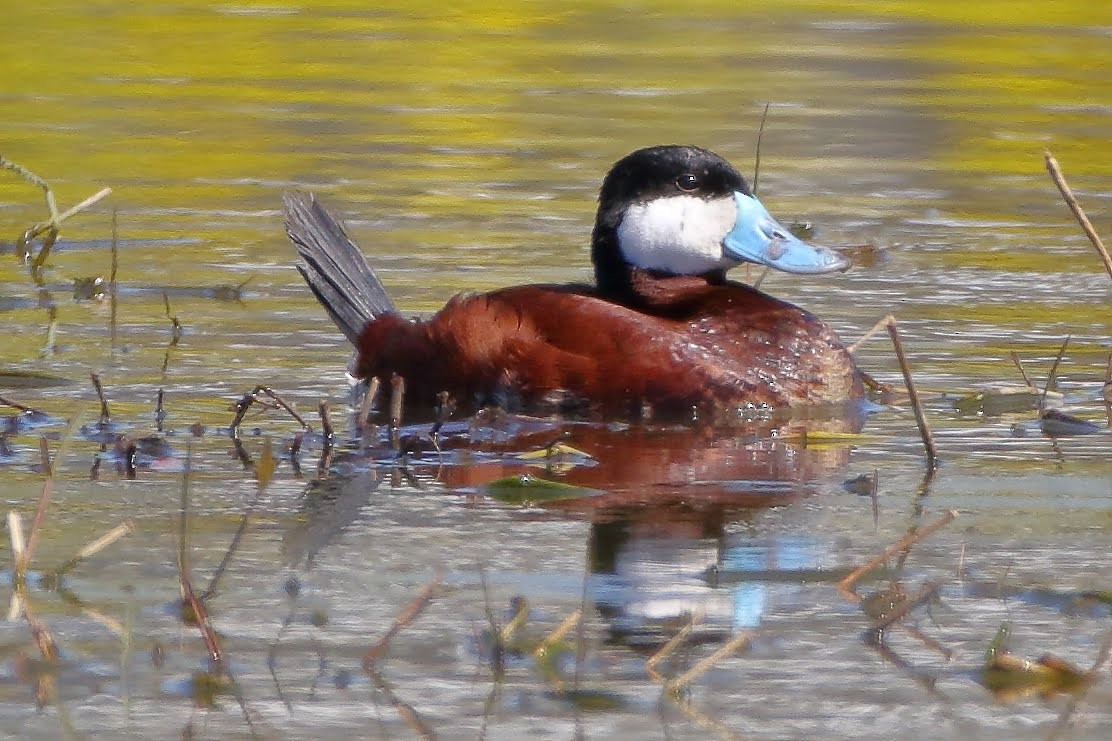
464,147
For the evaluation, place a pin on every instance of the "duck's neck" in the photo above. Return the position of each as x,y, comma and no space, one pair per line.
639,288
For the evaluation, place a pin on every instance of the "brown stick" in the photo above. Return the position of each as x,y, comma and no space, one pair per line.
731,646
411,612
1021,369
98,545
847,584
673,643
916,403
1078,213
36,523
872,331
561,630
364,413
15,405
1052,377
105,415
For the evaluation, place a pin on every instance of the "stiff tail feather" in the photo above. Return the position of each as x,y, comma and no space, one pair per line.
334,266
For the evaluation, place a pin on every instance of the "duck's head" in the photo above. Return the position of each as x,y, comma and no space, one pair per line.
685,211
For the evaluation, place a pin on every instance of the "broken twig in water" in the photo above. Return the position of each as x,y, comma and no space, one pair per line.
731,647
96,546
558,634
876,328
846,585
1078,212
411,612
54,223
105,415
916,403
673,643
247,400
1052,377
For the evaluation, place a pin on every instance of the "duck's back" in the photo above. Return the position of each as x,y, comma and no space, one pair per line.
549,347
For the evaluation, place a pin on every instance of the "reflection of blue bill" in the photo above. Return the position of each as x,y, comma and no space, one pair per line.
787,553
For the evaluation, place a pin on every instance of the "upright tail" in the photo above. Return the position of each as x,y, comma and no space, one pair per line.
334,267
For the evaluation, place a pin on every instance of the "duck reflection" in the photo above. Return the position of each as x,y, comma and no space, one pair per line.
672,508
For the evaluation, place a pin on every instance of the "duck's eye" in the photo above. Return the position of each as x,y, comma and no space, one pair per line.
687,182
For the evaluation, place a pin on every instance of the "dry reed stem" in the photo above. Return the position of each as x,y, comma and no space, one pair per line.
204,624
673,643
40,516
847,584
883,323
15,534
252,398
1106,391
397,402
916,403
1021,369
1052,377
731,646
701,719
123,529
56,219
516,623
411,612
408,715
16,405
561,630
757,154
105,415
370,391
1078,212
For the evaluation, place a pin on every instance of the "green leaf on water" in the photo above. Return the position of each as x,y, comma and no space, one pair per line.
527,489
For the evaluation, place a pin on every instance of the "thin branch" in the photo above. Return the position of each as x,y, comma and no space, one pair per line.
1078,213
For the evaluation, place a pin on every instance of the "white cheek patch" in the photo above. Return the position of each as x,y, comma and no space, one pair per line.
681,235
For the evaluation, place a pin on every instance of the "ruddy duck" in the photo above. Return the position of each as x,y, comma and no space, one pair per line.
662,329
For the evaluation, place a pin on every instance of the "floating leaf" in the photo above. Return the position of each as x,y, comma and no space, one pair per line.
526,489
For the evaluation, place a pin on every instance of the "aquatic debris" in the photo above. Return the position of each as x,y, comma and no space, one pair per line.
848,584
247,400
89,289
410,613
53,224
999,399
1060,424
732,646
1011,677
1078,212
527,490
558,634
889,323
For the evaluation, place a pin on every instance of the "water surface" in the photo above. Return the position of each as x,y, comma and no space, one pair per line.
464,147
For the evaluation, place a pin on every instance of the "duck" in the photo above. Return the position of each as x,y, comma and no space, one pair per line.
661,331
